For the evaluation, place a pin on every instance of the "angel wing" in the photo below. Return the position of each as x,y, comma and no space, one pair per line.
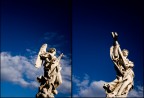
38,62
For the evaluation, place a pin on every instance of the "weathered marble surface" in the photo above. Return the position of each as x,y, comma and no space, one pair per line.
52,75
123,83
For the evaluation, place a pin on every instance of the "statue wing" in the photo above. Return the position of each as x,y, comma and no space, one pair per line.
38,62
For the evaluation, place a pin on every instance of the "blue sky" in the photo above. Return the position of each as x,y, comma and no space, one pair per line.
93,22
81,29
25,26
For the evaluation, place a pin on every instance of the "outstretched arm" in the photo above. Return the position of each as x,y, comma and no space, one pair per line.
117,50
114,51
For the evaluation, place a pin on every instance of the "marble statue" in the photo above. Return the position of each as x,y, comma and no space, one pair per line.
124,68
52,75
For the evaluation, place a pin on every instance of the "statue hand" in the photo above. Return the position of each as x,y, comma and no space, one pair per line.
115,36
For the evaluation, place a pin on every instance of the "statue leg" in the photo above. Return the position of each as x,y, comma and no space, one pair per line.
127,89
113,87
52,80
46,73
116,89
110,87
114,92
113,84
52,84
125,84
45,93
58,80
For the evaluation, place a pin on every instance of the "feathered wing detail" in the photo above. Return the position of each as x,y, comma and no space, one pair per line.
42,50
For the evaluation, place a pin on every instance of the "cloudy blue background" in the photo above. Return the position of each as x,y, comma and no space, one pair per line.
25,26
93,22
82,27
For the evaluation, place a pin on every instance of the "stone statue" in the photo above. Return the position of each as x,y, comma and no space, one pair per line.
52,76
124,69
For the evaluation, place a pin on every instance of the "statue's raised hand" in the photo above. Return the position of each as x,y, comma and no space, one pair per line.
115,36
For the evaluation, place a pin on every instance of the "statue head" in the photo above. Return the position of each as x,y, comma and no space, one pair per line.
125,52
52,50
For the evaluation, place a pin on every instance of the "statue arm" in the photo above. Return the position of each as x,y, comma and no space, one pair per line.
44,54
54,58
56,62
114,53
117,50
114,50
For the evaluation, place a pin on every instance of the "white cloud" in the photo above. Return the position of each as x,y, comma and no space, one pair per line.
136,92
20,70
15,68
65,87
95,88
87,89
31,51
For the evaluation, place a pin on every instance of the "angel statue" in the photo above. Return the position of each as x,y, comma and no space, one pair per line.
52,75
124,69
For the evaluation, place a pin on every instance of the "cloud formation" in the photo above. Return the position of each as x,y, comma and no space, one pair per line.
136,92
20,70
65,87
14,68
85,88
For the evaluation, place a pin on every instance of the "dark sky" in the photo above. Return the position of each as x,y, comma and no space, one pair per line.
93,22
25,26
27,20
